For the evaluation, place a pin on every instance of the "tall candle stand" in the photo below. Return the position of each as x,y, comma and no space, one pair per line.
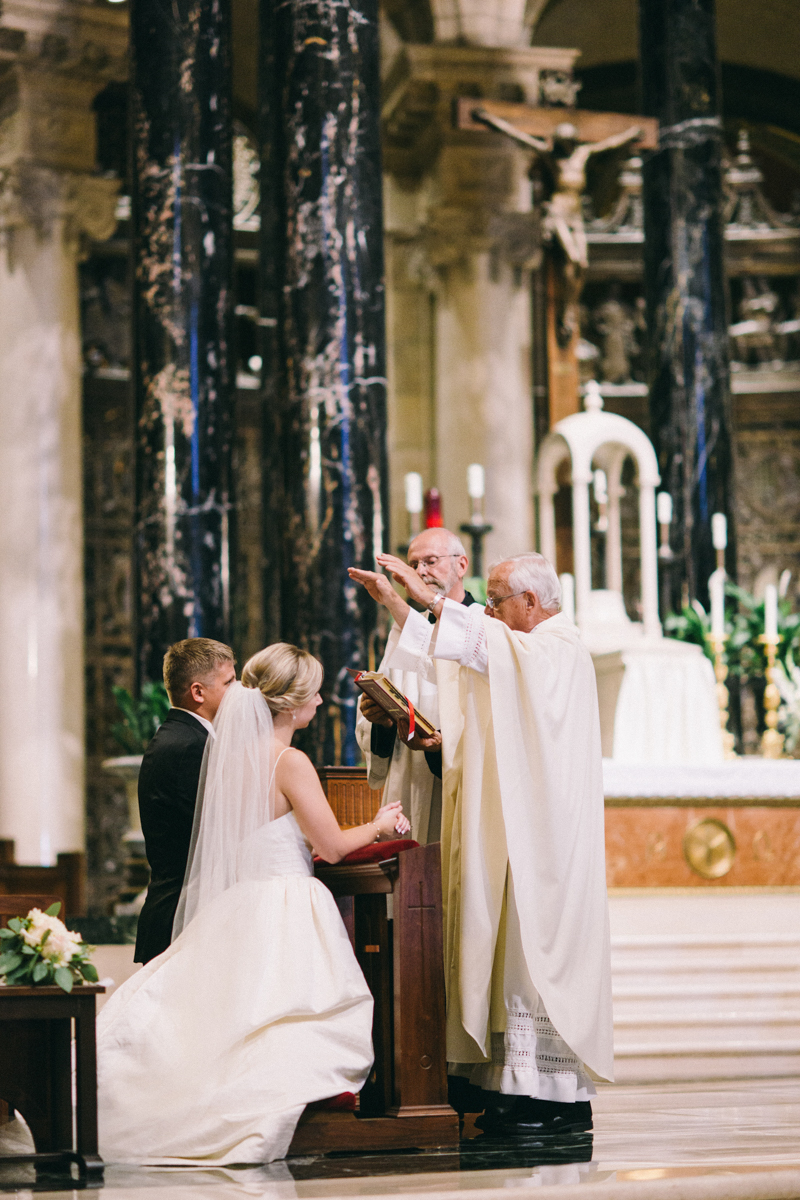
771,740
717,644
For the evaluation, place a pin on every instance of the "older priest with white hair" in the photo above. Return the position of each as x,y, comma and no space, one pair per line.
527,962
401,767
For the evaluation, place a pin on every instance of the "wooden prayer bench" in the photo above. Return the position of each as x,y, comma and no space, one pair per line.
36,1065
403,1104
66,881
349,795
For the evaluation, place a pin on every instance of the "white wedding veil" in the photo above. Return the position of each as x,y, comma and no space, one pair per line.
235,797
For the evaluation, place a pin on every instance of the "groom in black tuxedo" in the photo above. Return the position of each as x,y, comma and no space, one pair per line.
196,673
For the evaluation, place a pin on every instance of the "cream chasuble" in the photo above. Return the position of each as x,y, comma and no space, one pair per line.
523,858
406,776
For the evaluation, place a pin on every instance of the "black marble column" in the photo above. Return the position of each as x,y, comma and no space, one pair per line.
323,321
690,407
182,367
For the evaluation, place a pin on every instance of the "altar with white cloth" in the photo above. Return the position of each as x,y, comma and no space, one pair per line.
703,867
728,824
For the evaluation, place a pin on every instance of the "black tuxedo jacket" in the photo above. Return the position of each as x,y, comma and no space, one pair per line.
167,792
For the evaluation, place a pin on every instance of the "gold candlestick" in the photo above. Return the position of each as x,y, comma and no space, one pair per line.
771,740
721,672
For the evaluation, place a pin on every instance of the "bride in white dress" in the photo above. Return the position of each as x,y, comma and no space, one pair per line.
210,1053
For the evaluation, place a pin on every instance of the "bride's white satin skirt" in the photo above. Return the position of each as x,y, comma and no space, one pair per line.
211,1051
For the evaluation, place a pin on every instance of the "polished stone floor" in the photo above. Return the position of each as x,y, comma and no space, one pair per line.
697,1141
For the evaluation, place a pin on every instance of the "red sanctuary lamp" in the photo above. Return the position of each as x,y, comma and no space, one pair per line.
433,509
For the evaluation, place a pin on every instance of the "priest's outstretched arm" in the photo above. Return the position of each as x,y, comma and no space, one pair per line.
459,634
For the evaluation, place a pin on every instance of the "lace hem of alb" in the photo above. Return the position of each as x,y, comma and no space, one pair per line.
531,1059
531,1042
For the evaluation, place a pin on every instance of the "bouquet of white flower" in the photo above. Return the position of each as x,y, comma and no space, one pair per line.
39,949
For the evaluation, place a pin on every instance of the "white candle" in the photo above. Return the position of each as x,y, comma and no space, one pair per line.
664,508
719,531
600,487
771,612
476,482
568,595
413,482
716,587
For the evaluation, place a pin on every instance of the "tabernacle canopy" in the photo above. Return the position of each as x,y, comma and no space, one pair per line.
523,790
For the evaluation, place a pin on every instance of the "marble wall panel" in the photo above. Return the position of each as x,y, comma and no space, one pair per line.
644,847
108,542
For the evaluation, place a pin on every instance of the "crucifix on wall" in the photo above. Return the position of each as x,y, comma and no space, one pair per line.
565,139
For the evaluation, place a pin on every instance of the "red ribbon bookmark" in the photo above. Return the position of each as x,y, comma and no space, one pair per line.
411,719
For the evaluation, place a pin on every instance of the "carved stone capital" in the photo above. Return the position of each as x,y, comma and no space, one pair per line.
46,200
71,37
55,56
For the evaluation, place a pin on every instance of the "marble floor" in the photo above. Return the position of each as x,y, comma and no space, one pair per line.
723,1140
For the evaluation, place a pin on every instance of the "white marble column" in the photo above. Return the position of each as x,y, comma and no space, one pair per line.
461,242
42,214
59,55
483,397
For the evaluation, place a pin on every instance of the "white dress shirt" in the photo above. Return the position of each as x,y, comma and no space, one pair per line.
205,723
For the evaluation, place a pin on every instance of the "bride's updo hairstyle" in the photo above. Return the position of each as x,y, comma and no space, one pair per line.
286,676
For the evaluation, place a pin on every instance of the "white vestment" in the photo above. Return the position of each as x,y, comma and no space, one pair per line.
405,775
523,859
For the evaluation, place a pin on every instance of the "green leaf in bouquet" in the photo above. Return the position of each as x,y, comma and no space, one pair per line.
9,962
20,974
16,924
64,979
40,971
89,972
7,933
45,936
54,909
26,949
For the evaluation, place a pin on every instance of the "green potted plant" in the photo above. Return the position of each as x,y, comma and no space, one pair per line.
140,720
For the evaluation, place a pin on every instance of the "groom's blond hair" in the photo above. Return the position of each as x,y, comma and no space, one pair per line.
286,676
192,661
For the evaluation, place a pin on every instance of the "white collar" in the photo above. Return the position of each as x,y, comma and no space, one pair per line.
203,721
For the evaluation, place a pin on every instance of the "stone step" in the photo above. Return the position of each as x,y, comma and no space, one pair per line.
713,994
655,988
701,1047
706,1020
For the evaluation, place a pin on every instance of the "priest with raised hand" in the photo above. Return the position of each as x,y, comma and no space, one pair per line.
411,770
527,963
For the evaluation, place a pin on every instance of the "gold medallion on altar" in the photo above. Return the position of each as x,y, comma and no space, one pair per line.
709,848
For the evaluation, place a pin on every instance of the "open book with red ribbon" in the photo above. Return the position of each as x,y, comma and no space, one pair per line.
399,707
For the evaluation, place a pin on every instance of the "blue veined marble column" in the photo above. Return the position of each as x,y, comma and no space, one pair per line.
690,407
324,355
183,370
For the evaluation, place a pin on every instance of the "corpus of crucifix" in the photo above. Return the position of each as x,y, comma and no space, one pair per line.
399,576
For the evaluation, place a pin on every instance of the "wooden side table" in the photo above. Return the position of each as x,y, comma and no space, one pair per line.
35,1072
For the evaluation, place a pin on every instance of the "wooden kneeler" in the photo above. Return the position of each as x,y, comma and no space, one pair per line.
404,1102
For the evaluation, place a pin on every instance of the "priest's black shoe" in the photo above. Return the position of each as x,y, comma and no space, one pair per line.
524,1117
464,1096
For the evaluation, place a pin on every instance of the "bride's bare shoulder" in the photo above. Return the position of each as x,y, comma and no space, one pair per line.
294,763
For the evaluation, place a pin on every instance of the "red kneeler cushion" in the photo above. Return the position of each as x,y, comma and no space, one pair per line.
344,1102
376,852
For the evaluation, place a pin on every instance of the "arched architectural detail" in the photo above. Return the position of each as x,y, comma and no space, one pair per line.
598,440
